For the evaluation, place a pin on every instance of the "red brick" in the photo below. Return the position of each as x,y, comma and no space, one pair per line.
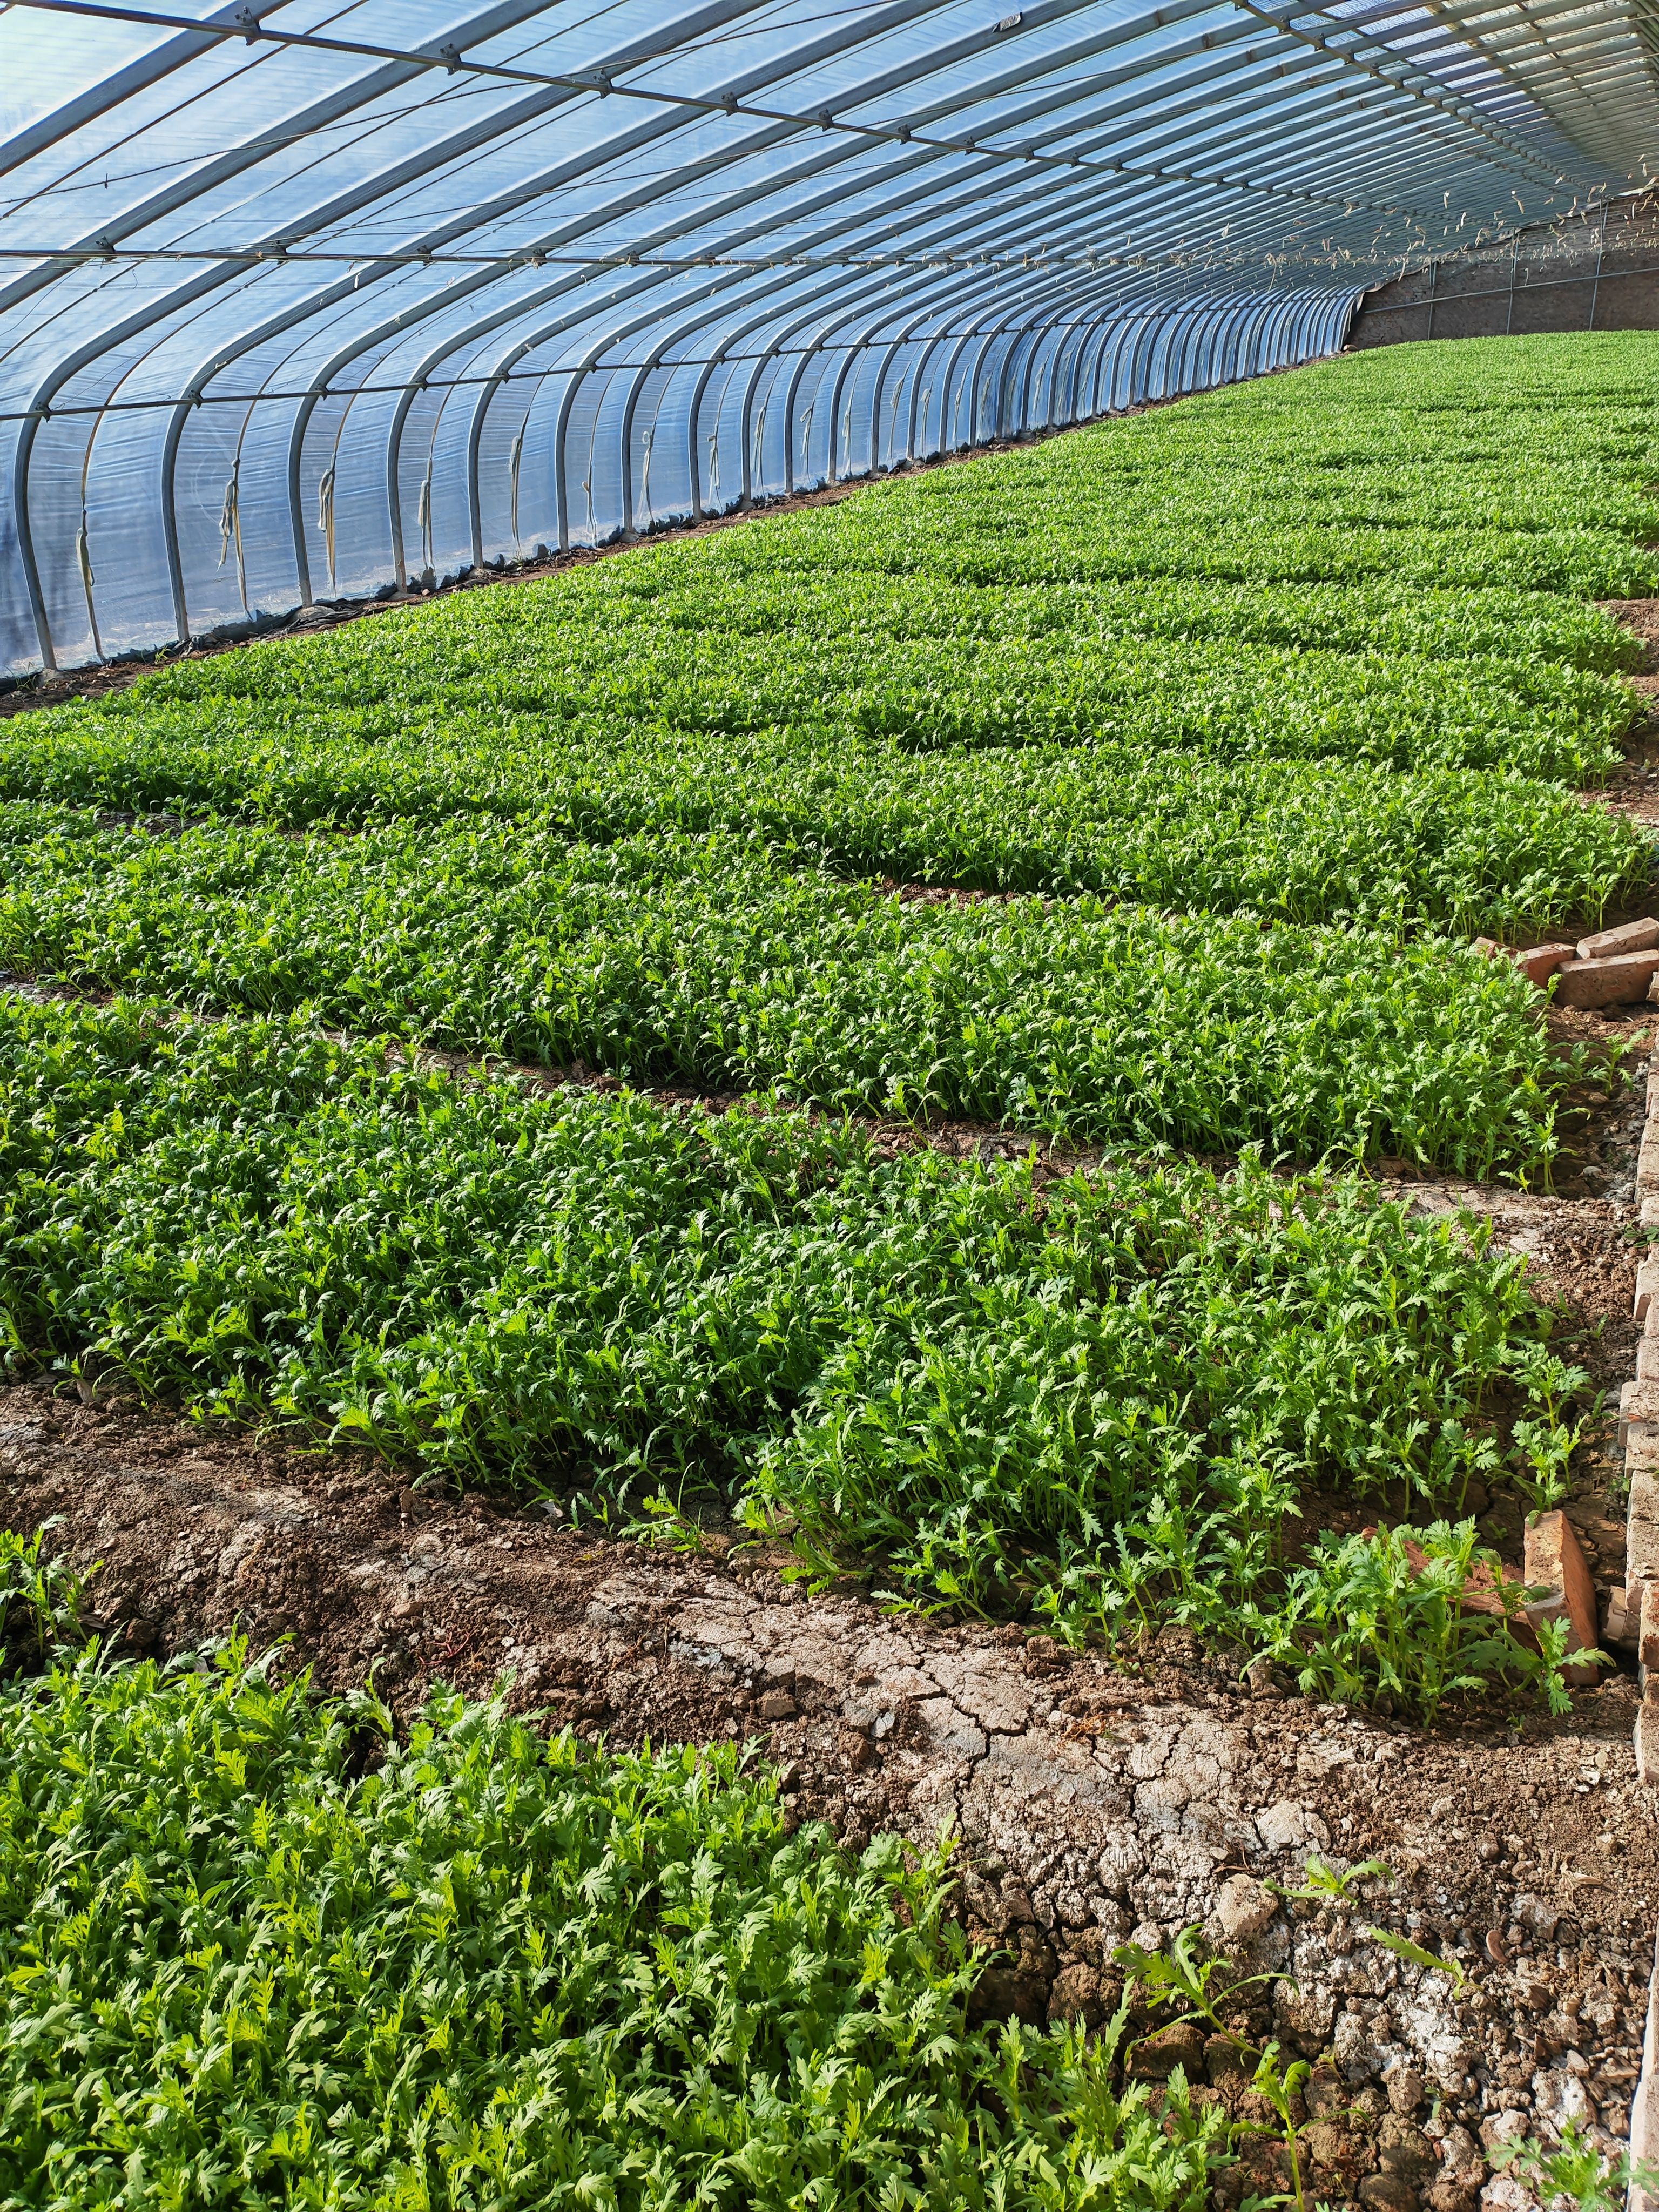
1641,1529
1542,963
1638,1401
1644,2105
1620,982
1623,1623
1555,1558
1629,936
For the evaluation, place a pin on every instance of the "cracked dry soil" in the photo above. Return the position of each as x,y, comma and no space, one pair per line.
1094,1803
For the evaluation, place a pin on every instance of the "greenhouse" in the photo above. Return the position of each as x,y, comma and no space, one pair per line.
828,1107
309,303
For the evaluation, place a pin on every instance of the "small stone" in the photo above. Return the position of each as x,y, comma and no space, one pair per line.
1504,2193
1620,982
1289,1825
1558,2096
1243,1906
1460,2160
1629,936
1505,2127
1537,1914
1405,2089
778,1705
856,1749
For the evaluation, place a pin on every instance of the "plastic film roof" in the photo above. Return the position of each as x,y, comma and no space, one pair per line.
313,301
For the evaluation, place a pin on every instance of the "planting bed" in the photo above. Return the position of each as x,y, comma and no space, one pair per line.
999,1165
1095,1802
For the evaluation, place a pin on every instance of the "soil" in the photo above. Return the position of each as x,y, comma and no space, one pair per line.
1096,1800
1634,789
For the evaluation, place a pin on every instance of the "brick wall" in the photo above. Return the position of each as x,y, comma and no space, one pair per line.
1600,273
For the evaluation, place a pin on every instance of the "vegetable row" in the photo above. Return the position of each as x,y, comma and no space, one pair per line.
493,1971
708,961
983,1379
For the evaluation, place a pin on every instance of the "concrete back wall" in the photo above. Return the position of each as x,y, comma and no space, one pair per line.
1601,273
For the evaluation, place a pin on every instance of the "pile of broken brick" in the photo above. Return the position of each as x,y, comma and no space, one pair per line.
1614,968
1558,1574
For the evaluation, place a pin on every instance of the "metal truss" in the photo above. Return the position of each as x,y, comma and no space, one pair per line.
306,299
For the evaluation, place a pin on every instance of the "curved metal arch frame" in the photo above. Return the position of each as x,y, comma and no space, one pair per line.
450,231
451,344
455,341
507,10
1051,333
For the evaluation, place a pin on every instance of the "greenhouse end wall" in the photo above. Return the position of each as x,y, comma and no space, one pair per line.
1599,272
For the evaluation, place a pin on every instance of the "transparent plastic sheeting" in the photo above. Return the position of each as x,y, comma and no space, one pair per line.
309,301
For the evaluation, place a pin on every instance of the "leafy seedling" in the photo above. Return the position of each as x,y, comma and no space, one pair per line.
1177,1975
1403,1947
1575,2169
1321,1880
